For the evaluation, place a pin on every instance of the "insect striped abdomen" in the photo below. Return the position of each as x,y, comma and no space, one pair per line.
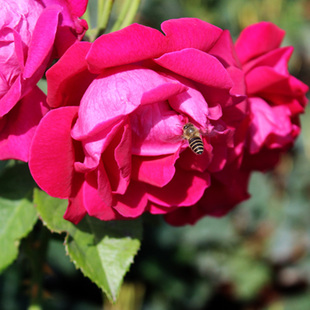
196,145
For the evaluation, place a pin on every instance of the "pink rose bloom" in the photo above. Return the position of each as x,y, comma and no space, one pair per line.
276,98
32,34
113,144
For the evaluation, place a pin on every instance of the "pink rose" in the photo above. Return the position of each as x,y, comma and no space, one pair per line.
276,98
113,144
31,31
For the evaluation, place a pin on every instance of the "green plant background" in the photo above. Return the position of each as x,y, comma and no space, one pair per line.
257,257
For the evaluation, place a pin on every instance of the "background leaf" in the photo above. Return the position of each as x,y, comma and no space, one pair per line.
17,213
51,211
104,251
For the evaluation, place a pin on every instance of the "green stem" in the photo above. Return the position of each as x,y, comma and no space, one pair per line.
131,14
127,14
104,12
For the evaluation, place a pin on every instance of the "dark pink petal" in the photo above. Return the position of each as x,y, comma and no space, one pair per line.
277,59
262,77
102,185
192,162
154,208
93,148
190,32
77,7
20,125
270,125
42,42
52,152
117,161
257,40
157,171
197,66
224,50
112,96
266,159
190,102
185,189
217,200
8,101
156,129
120,47
19,50
95,204
134,202
66,74
238,91
76,210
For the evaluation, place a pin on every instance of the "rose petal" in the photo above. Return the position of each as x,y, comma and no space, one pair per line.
8,101
95,204
120,47
133,203
197,66
270,125
191,162
156,129
224,50
276,59
42,42
76,210
66,74
191,103
93,148
257,40
262,77
185,189
117,160
190,32
110,97
217,201
52,152
20,125
157,171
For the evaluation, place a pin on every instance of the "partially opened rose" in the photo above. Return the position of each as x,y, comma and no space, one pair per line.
113,143
32,33
276,98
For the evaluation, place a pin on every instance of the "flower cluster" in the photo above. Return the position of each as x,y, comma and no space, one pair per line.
113,140
33,33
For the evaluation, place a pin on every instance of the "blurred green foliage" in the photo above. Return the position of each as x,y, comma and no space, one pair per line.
257,257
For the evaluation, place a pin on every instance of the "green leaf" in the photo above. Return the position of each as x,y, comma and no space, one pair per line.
51,211
17,213
104,251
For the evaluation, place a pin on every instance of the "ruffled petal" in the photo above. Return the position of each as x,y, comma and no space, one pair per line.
42,42
52,153
120,47
76,210
257,40
9,100
20,125
117,161
157,171
197,66
156,129
190,33
114,95
66,74
133,203
185,189
270,125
